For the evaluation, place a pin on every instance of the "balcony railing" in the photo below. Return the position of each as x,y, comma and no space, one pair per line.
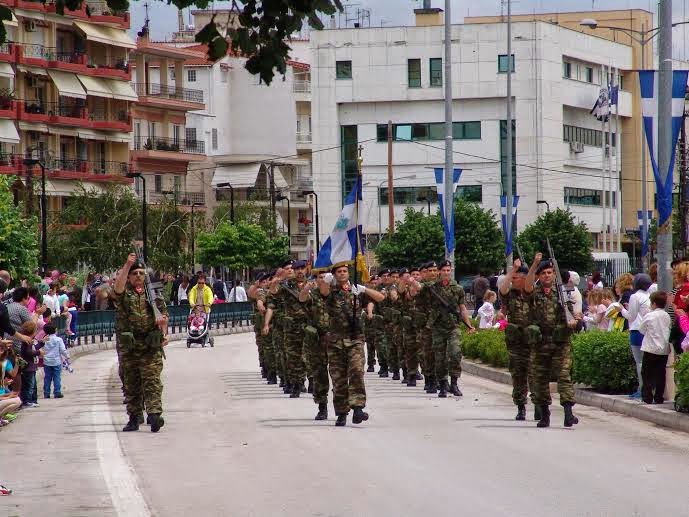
102,115
11,160
179,196
73,164
7,47
112,63
301,86
169,144
168,92
36,51
76,57
298,239
35,107
61,109
304,137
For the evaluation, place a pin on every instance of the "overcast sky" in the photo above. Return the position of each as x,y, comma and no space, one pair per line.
400,12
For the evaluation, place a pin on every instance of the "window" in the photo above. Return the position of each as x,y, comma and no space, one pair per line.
593,137
402,132
190,135
621,82
466,130
421,194
349,140
502,63
429,131
587,197
343,69
436,68
471,193
172,74
414,73
214,139
566,70
589,74
158,182
175,134
223,75
191,76
177,183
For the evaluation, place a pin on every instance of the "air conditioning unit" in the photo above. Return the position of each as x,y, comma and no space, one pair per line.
29,26
576,147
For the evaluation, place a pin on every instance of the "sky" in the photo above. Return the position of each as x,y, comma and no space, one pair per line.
400,12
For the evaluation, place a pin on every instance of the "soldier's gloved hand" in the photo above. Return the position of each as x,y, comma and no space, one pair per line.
358,289
328,278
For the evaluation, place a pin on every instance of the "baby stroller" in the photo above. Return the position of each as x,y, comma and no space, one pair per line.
198,334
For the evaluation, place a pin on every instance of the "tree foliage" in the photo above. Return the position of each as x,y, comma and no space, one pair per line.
417,239
18,235
480,244
571,241
169,231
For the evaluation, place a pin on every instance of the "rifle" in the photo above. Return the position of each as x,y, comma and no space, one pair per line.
151,289
446,305
558,285
289,289
519,252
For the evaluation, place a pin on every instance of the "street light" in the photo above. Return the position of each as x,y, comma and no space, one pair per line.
227,185
318,233
427,199
30,162
380,186
144,213
282,197
193,238
543,202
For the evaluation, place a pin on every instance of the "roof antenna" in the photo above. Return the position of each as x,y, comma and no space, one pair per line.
144,30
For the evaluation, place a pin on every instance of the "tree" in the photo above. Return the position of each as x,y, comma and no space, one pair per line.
571,241
479,240
18,235
168,235
417,239
261,35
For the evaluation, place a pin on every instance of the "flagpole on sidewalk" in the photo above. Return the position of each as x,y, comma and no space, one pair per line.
604,233
618,190
611,228
665,147
448,173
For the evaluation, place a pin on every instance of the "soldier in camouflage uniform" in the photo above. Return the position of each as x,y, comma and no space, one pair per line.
257,321
370,326
394,335
274,320
259,293
446,337
551,337
422,301
516,307
142,339
381,314
412,322
316,347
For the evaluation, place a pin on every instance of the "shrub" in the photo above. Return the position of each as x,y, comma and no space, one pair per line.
682,381
603,361
487,345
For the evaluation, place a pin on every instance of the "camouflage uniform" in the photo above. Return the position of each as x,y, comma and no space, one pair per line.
424,334
369,333
517,309
316,346
267,347
379,333
257,320
277,335
446,337
410,346
294,320
393,333
551,338
345,352
141,353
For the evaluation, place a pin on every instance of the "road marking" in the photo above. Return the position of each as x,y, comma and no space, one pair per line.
118,473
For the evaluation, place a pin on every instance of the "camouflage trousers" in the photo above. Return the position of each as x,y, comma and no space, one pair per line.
316,352
520,352
279,347
295,370
552,359
447,350
370,346
379,338
142,384
268,352
424,339
393,336
411,349
259,347
346,365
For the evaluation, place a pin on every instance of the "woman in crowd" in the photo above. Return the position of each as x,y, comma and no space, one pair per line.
597,280
182,290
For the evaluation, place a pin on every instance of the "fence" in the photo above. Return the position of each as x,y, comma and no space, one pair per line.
612,268
100,325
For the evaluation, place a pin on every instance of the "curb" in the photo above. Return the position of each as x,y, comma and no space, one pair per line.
662,417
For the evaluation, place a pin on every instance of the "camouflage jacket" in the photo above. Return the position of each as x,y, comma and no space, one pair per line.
318,314
546,311
340,306
438,314
134,314
288,297
517,307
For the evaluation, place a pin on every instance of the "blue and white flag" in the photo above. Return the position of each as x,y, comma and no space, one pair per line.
643,232
343,245
503,212
613,94
440,185
649,110
601,109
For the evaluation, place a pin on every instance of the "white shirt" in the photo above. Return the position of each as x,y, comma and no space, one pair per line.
655,326
182,293
51,303
487,313
653,288
240,293
575,297
639,306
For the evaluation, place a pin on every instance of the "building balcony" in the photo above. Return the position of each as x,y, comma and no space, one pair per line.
51,7
165,96
170,145
116,121
11,163
299,240
178,196
8,52
67,114
117,67
8,108
99,12
304,140
71,168
35,54
29,5
33,111
301,86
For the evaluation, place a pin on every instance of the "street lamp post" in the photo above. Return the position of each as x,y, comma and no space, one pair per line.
144,213
380,186
282,197
193,238
543,202
318,233
229,186
427,199
30,162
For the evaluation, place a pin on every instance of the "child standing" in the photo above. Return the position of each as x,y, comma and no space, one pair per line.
30,354
55,351
655,327
487,310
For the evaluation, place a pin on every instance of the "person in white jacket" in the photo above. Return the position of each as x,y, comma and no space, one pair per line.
655,327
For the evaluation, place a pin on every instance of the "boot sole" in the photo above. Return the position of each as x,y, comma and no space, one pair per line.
356,420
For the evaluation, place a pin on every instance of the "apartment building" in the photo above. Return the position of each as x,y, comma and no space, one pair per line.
65,95
362,78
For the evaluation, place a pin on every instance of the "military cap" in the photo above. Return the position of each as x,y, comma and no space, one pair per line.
137,265
546,264
394,272
384,271
403,270
288,262
299,264
335,268
262,276
522,269
443,264
414,268
423,266
431,264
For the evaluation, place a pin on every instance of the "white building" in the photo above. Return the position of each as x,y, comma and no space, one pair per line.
362,78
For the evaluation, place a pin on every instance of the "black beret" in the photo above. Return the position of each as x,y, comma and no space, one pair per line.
394,272
299,264
137,265
444,263
411,270
287,262
403,270
546,264
385,271
431,264
523,270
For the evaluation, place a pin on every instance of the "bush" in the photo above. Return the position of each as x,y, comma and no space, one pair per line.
682,381
603,361
486,345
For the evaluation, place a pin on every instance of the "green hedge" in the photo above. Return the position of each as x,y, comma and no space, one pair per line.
486,345
604,361
682,382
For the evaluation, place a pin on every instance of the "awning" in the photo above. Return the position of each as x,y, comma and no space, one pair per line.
106,35
8,132
122,90
95,86
117,137
31,126
11,23
6,70
67,84
63,131
32,70
87,134
239,175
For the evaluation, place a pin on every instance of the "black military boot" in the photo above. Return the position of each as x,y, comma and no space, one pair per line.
132,425
322,411
537,412
411,382
521,412
570,419
432,387
272,378
383,372
310,388
443,389
454,388
282,382
156,422
404,376
296,391
396,374
545,416
370,369
264,372
418,376
341,420
302,387
359,415
287,389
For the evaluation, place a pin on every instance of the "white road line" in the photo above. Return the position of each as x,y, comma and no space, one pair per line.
119,475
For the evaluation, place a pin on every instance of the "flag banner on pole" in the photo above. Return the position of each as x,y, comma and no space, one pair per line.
601,108
613,94
344,246
440,185
643,232
649,110
503,212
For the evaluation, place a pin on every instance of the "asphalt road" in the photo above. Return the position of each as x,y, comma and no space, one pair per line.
233,446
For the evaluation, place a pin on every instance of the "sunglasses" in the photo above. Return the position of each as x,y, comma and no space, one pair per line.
137,273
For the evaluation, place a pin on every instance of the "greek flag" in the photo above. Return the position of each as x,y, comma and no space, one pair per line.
643,232
440,185
601,109
344,243
503,212
649,109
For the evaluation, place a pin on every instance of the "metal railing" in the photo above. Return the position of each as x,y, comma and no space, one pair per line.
61,109
299,239
113,63
304,137
7,47
169,144
36,51
36,107
73,164
168,92
109,116
76,57
301,86
180,196
10,159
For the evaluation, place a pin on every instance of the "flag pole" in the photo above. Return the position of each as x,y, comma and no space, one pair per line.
357,245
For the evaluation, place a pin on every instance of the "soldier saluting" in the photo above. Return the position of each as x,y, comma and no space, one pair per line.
141,344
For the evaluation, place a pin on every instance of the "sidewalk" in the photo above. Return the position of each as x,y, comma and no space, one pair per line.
663,415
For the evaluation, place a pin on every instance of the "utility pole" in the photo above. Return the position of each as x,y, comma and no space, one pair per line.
391,197
611,227
682,166
644,170
665,150
448,194
604,233
617,165
508,143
